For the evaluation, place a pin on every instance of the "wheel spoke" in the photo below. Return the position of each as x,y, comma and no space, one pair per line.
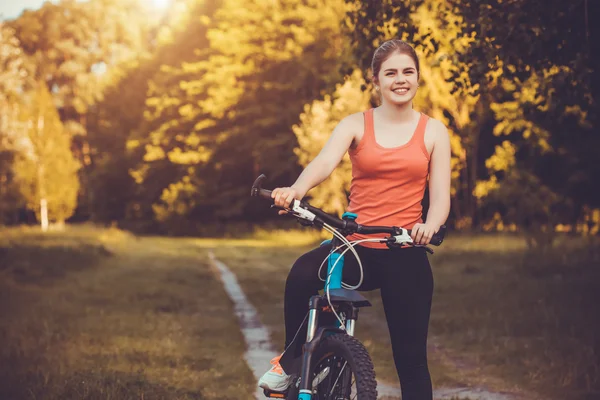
332,368
338,377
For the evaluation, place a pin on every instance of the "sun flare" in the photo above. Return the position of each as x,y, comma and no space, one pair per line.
161,3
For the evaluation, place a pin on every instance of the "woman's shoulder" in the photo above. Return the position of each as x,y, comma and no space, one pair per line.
435,127
435,132
353,123
356,118
353,126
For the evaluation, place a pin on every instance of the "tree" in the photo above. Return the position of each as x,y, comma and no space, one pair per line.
163,124
13,82
549,107
221,118
69,42
46,169
71,45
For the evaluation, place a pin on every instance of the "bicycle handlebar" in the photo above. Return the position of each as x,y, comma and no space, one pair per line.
343,224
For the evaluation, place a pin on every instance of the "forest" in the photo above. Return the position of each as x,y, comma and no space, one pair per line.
158,120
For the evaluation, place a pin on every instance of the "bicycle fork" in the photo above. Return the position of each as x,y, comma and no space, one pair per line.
315,334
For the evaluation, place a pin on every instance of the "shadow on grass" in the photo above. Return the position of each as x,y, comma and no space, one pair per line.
32,264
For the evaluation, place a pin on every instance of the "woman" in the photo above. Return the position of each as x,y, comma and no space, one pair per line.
395,152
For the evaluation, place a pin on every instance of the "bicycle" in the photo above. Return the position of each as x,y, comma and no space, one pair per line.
335,365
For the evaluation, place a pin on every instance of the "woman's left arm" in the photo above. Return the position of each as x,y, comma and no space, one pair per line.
439,185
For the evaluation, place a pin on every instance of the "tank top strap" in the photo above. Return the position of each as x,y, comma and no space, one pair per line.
369,133
419,135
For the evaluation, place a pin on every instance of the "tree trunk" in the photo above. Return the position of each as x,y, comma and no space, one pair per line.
42,182
469,178
44,214
473,173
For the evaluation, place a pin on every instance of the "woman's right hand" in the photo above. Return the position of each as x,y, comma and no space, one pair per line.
283,197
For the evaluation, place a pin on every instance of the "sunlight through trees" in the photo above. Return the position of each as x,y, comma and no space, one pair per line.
170,108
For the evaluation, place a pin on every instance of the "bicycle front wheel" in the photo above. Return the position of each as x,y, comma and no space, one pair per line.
342,370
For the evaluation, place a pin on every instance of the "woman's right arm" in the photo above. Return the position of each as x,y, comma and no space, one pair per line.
323,164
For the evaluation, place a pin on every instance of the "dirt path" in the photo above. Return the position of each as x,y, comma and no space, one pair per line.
260,350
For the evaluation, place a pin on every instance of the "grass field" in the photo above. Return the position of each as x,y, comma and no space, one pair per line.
502,317
98,314
101,314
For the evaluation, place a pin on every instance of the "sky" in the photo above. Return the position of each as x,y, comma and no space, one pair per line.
10,9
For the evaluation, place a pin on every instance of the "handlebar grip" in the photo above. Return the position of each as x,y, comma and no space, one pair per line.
257,189
438,237
265,194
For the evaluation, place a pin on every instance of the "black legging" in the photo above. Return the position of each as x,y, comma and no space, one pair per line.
406,282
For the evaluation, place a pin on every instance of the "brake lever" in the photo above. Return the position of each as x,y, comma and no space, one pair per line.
427,248
423,246
291,213
288,212
399,245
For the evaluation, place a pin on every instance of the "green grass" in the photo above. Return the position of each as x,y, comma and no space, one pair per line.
502,317
529,317
99,314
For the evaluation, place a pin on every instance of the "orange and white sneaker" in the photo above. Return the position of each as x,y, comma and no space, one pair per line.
275,379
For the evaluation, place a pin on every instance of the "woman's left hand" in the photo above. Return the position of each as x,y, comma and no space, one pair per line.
422,233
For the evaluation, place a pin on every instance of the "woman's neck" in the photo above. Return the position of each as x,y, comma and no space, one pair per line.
396,113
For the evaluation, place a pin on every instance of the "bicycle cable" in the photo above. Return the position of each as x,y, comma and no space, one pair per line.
294,338
350,247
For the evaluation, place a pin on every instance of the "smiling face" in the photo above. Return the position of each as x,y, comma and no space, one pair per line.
398,79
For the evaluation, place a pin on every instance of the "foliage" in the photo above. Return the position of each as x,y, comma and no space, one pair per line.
547,108
13,80
13,73
172,114
72,45
536,213
46,168
70,41
222,112
109,127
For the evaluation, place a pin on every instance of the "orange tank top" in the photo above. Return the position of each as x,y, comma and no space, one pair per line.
388,184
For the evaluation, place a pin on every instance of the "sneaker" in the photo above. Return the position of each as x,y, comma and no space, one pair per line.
275,379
